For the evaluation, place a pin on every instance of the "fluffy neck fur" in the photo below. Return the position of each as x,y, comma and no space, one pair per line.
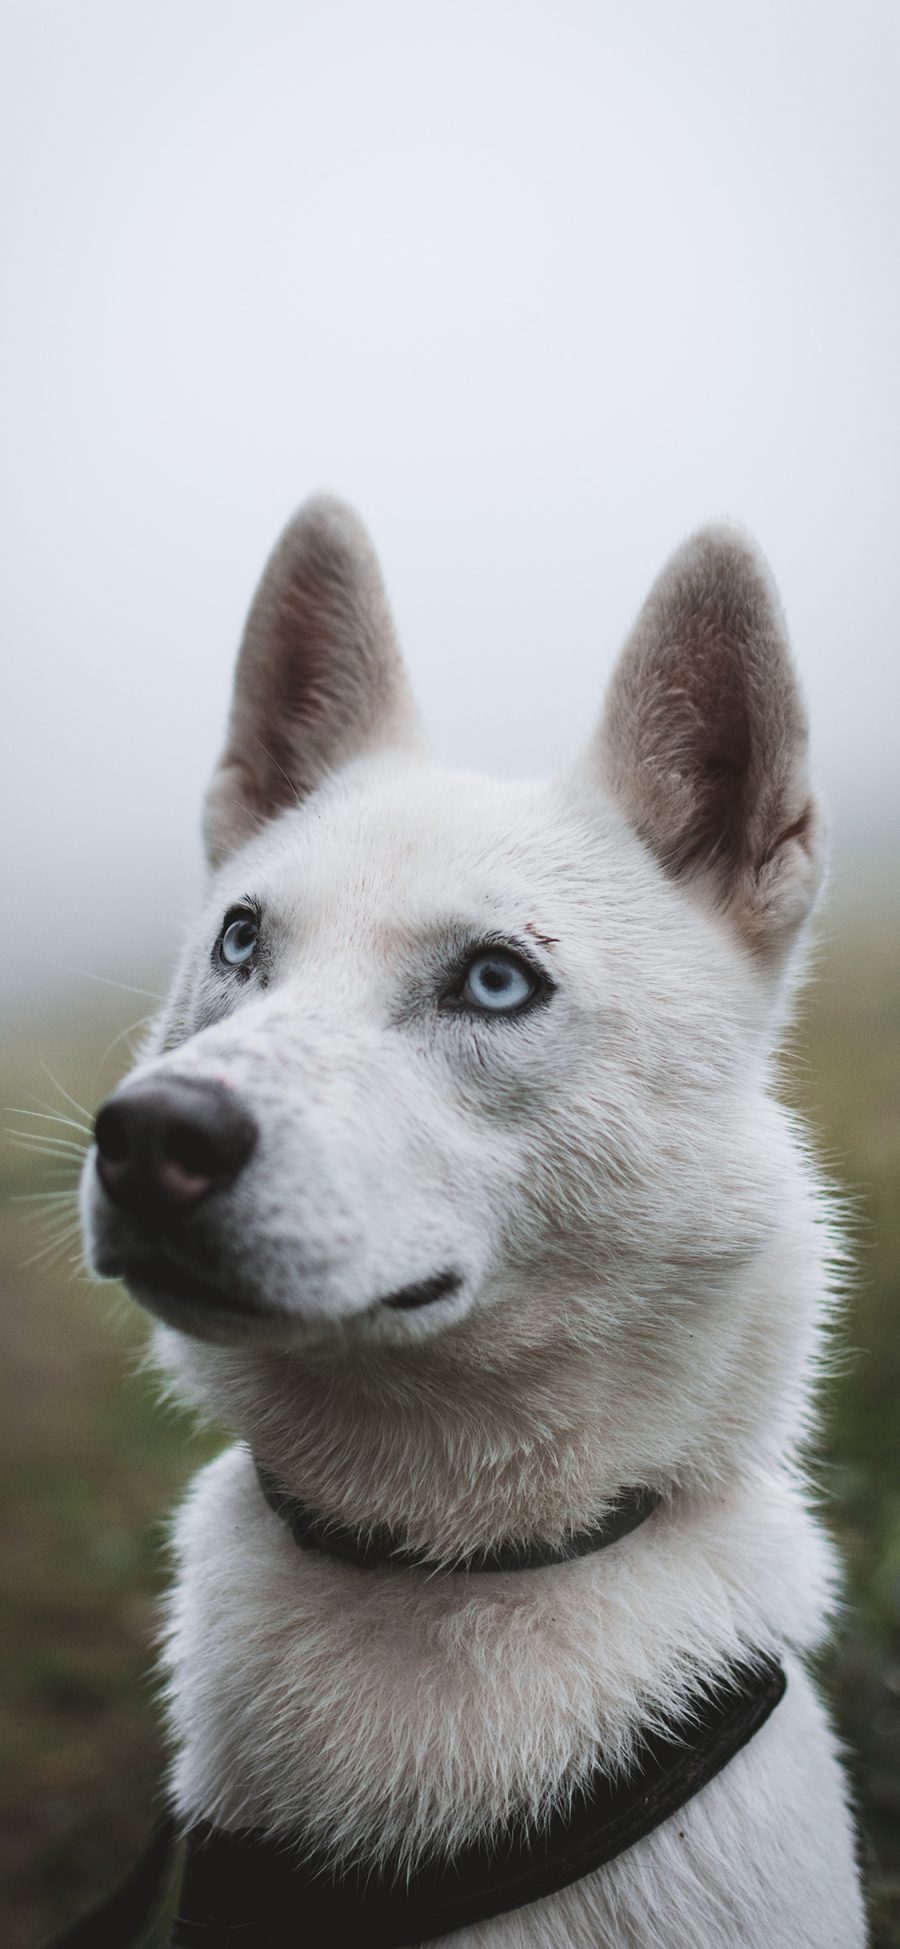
393,1711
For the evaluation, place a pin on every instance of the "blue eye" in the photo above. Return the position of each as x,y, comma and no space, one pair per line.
496,983
239,941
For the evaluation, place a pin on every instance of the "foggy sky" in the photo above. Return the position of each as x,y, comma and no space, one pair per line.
538,288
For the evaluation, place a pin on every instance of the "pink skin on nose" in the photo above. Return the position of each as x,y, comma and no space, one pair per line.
182,1186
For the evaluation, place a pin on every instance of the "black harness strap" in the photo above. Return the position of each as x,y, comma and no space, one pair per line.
126,1916
378,1546
243,1891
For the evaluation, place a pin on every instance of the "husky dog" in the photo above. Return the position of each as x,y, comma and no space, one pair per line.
455,1177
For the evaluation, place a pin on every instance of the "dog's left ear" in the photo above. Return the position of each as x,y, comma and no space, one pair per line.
704,741
319,677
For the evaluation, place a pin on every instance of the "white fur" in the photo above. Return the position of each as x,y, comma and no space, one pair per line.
641,1246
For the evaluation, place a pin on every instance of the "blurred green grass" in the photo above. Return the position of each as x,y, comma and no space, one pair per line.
91,1463
846,1077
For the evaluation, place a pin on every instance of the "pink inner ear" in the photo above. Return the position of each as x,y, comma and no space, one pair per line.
704,736
694,718
319,678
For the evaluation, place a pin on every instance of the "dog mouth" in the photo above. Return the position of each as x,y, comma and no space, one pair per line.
215,1308
203,1306
423,1292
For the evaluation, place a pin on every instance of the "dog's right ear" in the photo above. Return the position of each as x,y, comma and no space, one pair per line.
319,675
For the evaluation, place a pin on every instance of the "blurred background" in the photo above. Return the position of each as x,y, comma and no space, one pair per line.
539,289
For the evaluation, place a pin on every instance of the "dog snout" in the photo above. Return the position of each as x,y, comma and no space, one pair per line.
165,1144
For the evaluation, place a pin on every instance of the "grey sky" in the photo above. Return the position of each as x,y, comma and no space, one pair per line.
539,288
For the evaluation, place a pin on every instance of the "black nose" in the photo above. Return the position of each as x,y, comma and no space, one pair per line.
164,1144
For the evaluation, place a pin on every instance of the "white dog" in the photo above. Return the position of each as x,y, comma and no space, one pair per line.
455,1172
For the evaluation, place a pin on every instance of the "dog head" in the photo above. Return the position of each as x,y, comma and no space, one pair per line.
449,1057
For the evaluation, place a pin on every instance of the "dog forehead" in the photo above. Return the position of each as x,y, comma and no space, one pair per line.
414,843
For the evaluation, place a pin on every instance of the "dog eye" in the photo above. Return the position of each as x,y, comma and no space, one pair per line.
497,984
239,941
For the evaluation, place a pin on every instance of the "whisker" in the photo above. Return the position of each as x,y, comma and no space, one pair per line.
124,1035
38,1141
68,1169
33,1197
73,1100
65,1211
47,1116
51,1107
54,1247
53,1242
50,1246
127,987
57,1227
64,1178
76,1122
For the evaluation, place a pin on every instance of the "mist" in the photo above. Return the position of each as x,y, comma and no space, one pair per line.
539,290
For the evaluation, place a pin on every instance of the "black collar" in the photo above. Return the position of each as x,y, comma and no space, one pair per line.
376,1546
243,1891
